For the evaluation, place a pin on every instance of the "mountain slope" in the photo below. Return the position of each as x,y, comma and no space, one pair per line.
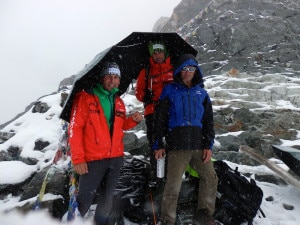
252,36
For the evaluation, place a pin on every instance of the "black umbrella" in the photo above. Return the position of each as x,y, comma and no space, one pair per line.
131,54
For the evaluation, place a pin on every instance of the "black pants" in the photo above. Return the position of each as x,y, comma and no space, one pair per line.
101,172
149,119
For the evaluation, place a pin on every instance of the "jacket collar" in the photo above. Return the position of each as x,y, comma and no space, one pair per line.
100,90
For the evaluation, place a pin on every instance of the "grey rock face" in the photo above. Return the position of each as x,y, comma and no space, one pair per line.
249,35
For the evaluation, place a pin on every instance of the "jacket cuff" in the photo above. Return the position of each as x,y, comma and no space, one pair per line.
157,145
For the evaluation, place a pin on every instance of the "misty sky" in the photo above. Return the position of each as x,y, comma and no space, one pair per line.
45,41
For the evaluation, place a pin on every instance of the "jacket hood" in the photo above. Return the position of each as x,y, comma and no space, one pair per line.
188,60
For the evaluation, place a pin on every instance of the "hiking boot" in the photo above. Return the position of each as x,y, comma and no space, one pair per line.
203,218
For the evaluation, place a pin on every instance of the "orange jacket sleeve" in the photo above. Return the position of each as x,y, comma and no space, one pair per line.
77,122
140,85
129,123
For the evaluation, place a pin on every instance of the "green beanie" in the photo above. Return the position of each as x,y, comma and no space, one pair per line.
157,46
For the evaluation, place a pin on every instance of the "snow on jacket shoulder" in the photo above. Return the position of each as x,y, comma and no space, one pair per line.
89,135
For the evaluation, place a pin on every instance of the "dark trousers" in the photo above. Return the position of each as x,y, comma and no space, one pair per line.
149,120
101,172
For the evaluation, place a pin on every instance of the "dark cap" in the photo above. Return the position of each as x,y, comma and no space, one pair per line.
111,68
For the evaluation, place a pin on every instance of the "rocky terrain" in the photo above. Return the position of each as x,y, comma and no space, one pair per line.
250,109
251,36
250,54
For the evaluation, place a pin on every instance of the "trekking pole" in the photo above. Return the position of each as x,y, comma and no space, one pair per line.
152,206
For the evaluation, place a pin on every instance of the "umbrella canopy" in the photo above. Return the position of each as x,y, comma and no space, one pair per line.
131,54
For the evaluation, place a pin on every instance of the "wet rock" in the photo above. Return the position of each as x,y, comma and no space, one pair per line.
40,107
288,207
39,144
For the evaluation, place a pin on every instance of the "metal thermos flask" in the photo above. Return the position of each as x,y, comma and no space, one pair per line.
161,167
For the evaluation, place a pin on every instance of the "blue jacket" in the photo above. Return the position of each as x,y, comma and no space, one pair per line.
184,115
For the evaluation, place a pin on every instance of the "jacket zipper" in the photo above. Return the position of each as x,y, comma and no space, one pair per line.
97,102
195,107
183,105
189,108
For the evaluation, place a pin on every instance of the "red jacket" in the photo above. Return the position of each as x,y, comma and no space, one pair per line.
159,75
89,135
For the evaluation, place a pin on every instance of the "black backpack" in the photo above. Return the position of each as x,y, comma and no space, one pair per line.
238,199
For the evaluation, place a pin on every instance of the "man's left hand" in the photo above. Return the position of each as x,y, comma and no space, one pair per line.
207,153
159,153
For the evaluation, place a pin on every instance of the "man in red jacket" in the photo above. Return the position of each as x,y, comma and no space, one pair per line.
150,83
96,127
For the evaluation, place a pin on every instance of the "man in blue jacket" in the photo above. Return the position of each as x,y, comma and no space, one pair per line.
185,118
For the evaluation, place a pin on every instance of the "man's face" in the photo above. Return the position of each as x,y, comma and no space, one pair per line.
187,74
159,56
111,81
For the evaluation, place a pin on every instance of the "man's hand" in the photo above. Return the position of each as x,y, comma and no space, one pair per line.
137,117
160,153
81,168
207,153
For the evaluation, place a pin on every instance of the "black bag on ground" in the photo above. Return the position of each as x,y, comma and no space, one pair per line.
238,199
